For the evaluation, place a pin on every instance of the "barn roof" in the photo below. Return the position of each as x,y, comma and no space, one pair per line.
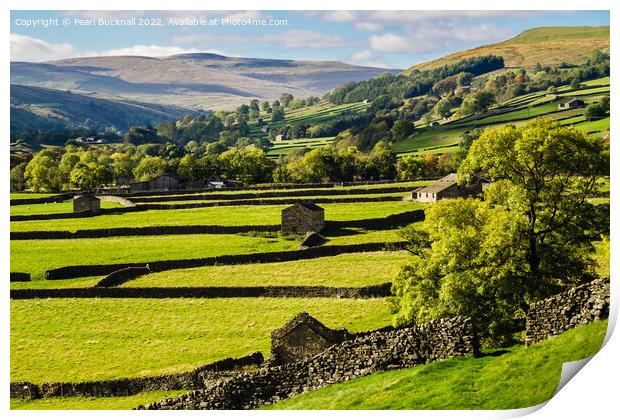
314,324
309,206
439,185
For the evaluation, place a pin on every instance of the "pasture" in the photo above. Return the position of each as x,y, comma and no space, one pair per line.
86,339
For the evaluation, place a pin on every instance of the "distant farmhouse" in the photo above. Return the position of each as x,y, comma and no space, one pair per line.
172,183
447,187
161,183
573,103
301,218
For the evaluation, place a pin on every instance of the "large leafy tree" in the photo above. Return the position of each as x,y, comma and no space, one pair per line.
531,237
42,172
90,175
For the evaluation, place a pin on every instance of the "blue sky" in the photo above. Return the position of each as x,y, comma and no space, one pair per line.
394,39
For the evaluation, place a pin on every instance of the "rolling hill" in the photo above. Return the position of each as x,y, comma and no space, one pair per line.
545,45
199,80
54,109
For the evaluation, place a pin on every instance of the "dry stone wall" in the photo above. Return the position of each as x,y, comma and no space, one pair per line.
379,223
17,276
197,378
577,306
76,271
379,290
365,354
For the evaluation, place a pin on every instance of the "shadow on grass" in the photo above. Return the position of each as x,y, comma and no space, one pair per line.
336,232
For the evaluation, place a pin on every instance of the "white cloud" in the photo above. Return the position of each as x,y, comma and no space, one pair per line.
367,26
149,51
287,39
302,39
361,56
379,17
390,43
26,48
340,15
366,58
426,38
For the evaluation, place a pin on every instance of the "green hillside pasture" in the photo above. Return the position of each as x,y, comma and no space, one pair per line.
595,82
347,270
430,137
520,378
594,126
92,403
225,216
36,256
23,195
95,339
584,92
63,207
312,115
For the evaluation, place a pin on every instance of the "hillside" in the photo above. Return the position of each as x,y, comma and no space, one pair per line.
191,80
52,109
546,45
512,378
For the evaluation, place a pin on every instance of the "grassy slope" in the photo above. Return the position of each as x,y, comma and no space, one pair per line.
228,216
90,339
522,377
449,133
72,109
547,45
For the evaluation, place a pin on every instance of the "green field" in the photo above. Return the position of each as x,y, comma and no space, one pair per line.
36,256
347,270
23,195
91,339
63,207
92,403
521,377
224,216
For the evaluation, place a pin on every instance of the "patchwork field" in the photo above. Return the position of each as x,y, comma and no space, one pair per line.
86,339
71,339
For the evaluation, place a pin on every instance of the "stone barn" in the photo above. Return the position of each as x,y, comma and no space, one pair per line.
302,337
571,104
301,218
161,183
446,187
86,203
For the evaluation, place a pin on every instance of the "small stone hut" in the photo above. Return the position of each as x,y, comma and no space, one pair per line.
301,218
86,203
446,187
302,337
571,104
